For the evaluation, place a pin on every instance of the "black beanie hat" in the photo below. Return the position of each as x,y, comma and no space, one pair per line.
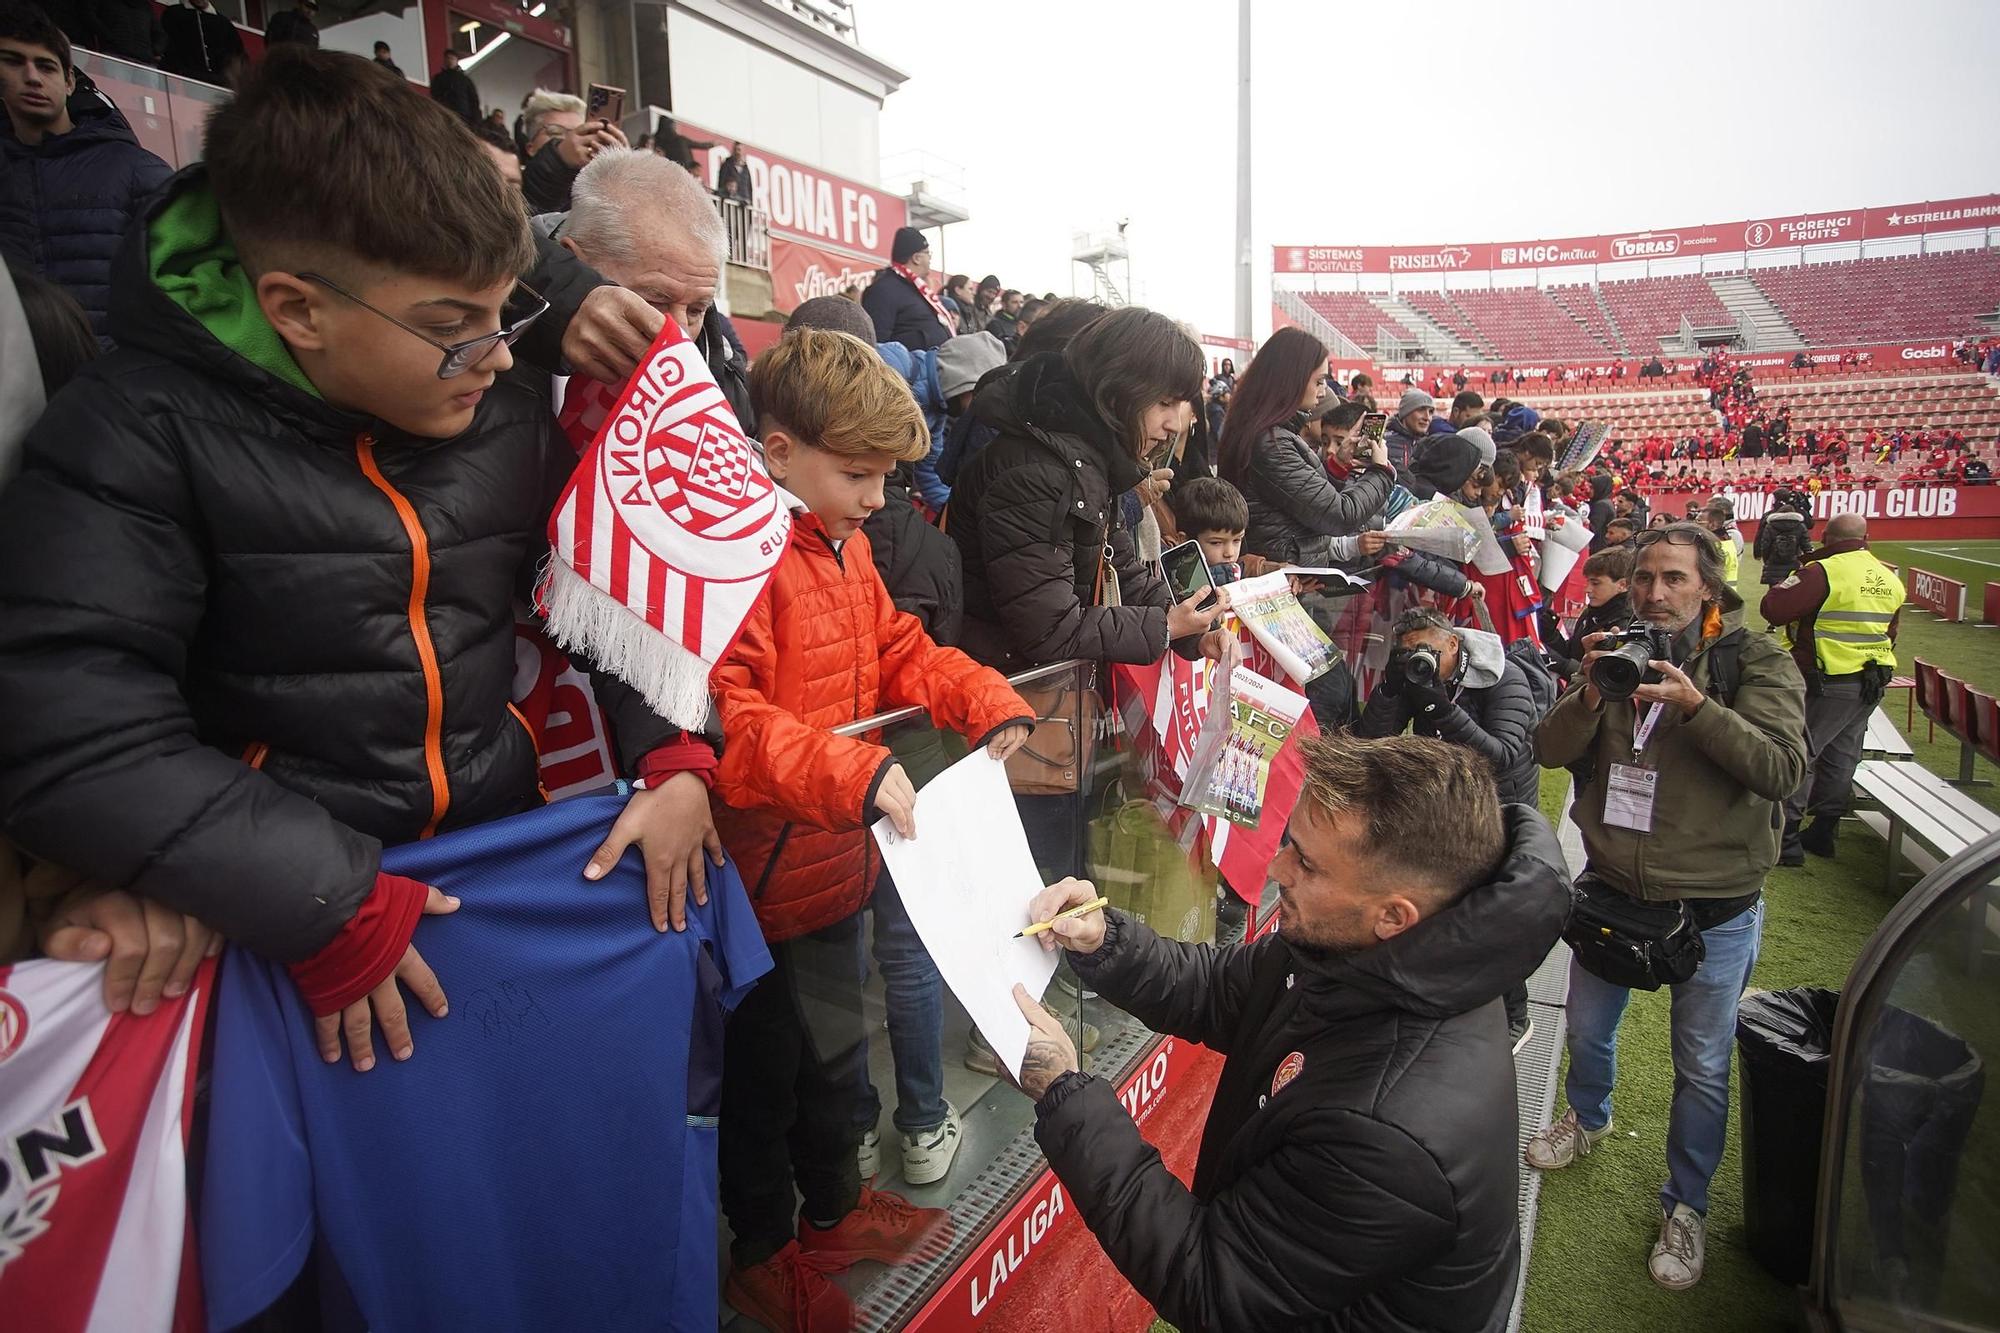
909,241
1446,462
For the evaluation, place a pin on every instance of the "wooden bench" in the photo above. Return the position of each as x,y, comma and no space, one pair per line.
1911,805
1883,740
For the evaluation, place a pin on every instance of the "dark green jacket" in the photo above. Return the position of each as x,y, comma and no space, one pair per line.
1724,772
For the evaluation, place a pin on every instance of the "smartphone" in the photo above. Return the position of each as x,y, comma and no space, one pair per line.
1187,571
1374,425
605,103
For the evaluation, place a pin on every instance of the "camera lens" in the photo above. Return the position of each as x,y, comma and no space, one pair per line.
1420,667
1619,674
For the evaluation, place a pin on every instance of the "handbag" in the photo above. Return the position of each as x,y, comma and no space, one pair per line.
1641,946
1059,750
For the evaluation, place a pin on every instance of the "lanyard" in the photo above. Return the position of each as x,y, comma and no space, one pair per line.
1643,732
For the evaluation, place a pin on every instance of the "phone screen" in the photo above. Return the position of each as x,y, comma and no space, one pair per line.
1373,427
1187,570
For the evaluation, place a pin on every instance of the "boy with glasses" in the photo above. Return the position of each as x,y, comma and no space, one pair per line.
257,581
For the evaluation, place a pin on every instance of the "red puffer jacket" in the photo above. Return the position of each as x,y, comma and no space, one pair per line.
824,646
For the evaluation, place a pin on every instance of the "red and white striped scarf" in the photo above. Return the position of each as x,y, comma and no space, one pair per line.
944,316
667,531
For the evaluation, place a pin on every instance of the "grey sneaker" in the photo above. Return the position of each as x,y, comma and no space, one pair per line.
1682,1247
1562,1143
928,1153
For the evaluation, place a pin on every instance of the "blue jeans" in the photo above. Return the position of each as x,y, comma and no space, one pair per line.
915,995
1704,1032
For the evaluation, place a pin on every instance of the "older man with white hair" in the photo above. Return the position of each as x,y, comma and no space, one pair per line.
648,226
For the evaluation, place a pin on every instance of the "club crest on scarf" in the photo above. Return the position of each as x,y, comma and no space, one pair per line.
667,531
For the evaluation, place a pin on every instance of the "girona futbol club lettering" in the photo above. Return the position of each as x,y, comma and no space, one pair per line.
667,532
94,1114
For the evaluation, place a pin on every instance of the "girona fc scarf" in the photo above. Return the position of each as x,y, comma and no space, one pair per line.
666,533
909,275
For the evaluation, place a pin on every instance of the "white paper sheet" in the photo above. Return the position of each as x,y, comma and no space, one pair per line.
966,881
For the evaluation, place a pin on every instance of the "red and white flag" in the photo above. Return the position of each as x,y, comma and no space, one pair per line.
94,1113
666,534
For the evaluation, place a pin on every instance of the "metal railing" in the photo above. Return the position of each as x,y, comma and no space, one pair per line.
749,231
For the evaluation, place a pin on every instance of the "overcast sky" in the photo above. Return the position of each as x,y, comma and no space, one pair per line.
1421,122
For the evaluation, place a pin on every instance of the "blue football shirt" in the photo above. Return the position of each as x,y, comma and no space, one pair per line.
547,1156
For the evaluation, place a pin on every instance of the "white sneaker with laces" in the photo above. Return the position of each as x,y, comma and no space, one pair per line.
870,1154
1682,1247
1562,1143
928,1153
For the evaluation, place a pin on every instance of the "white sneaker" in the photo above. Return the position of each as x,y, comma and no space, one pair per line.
1562,1143
870,1154
1677,1258
928,1153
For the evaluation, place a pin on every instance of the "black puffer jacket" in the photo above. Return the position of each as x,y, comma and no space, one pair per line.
1295,509
1032,512
1492,714
918,564
65,203
217,690
1359,1164
901,313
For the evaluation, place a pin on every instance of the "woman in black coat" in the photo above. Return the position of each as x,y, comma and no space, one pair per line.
1295,509
1035,513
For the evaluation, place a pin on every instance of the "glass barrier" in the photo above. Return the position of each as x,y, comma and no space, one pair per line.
167,113
1090,807
1913,1171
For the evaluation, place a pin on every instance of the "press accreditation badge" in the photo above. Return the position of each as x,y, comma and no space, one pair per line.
1628,798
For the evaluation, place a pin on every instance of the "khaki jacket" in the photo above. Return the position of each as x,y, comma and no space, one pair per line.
1724,774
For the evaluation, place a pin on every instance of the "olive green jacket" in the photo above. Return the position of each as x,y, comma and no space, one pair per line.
1724,774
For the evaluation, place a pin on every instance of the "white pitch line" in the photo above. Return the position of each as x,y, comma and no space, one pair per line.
1953,555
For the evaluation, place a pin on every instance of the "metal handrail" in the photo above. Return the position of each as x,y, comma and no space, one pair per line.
1028,677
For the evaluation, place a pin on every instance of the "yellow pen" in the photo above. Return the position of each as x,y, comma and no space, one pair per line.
1078,910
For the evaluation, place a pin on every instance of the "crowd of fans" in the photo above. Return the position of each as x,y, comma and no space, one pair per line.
355,273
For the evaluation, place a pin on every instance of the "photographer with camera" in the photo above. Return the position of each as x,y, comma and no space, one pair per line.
1458,685
1691,732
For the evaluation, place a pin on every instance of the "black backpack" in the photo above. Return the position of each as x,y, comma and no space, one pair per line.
1786,546
1542,683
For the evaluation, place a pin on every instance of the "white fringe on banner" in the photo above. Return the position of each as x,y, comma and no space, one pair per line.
582,618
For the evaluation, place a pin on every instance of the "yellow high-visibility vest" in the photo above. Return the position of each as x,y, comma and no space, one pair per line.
1852,629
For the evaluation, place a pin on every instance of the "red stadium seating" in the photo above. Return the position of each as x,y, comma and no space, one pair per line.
1649,309
1886,300
1354,315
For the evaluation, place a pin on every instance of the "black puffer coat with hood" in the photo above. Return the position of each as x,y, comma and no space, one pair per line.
1359,1165
246,636
1034,514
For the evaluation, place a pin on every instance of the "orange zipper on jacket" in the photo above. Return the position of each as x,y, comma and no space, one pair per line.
420,631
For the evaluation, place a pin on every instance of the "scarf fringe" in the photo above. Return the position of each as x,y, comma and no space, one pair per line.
582,618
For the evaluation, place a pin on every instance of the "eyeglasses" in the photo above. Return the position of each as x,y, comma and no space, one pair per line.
1680,534
458,357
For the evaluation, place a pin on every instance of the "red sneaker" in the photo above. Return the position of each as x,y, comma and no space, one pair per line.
884,1227
789,1293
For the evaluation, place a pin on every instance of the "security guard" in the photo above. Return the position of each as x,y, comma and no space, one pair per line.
1839,611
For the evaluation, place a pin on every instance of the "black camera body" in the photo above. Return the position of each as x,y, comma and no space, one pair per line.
1420,666
1628,652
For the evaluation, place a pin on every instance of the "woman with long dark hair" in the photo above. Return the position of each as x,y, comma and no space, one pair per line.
1295,509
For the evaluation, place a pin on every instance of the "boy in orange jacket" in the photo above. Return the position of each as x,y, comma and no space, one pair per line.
824,646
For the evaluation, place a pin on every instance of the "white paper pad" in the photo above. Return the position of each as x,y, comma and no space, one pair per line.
966,882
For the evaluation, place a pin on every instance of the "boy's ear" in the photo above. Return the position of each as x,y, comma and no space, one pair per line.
292,305
778,450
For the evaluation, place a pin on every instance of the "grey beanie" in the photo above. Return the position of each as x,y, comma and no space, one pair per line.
962,360
836,313
1413,399
1480,440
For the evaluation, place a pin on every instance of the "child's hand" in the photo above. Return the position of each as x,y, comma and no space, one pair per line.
384,1006
1008,740
671,825
1372,542
897,798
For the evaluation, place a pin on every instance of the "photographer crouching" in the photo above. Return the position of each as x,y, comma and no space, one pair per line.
1457,684
1357,1169
1688,733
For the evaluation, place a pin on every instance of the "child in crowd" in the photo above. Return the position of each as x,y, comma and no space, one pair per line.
1608,577
823,647
1211,511
257,578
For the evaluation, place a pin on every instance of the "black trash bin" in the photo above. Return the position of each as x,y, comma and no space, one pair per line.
1784,1040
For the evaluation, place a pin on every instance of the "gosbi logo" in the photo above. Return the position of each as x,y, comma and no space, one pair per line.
13,1025
677,470
1288,1069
